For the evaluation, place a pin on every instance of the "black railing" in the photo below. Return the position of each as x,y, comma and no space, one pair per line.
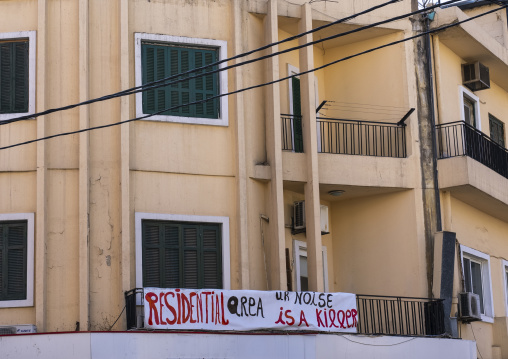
460,139
363,138
292,135
400,315
131,311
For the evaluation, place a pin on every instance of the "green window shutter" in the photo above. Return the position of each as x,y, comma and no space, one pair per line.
181,255
173,60
152,260
297,112
212,257
14,77
13,262
496,130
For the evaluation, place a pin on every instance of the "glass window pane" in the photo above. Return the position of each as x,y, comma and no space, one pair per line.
476,276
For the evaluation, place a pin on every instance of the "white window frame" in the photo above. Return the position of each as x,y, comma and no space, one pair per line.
31,36
224,221
484,260
463,91
29,218
300,250
505,283
181,40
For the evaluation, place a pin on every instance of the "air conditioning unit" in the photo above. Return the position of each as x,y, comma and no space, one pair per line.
18,329
475,76
299,215
469,307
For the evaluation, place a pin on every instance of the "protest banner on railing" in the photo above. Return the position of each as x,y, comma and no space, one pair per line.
244,310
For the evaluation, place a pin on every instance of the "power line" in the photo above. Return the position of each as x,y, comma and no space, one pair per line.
162,82
259,85
149,85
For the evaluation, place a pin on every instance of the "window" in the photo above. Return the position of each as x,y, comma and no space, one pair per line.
161,56
16,260
496,130
17,74
470,111
476,272
300,265
178,251
181,255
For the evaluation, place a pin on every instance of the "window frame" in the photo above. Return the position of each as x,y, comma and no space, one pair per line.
182,41
484,260
300,249
464,92
224,221
31,36
29,218
504,264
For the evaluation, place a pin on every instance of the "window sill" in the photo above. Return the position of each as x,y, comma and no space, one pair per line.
187,120
487,319
16,303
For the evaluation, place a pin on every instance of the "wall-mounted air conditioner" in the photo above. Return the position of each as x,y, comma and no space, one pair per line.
475,76
18,329
469,307
299,215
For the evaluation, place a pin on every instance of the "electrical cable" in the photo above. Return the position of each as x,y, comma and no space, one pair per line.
378,345
112,325
474,336
162,82
213,64
259,85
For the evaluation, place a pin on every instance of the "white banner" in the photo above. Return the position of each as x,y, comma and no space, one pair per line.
215,309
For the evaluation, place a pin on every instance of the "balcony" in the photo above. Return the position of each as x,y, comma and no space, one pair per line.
460,139
377,315
348,137
381,315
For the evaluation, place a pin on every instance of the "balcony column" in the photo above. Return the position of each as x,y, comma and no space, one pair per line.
312,203
40,285
275,244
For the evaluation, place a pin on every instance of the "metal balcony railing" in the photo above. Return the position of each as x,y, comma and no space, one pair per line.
381,315
460,139
292,136
377,315
365,138
349,137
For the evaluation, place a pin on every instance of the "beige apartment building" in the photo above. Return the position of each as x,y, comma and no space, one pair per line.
370,176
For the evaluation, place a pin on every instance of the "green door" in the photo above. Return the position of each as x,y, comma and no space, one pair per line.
297,116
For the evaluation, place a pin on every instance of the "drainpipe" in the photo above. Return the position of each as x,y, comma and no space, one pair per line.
432,116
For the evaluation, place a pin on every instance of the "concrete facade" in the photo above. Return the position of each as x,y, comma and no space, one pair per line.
86,189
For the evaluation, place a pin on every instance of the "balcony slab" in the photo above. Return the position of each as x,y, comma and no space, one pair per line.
475,184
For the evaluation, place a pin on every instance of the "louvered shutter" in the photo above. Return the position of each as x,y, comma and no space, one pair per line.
13,261
161,61
171,256
14,77
181,255
191,256
152,254
496,130
297,112
212,255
